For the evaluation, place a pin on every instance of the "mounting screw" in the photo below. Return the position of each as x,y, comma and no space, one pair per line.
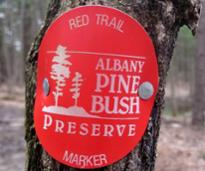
146,90
46,87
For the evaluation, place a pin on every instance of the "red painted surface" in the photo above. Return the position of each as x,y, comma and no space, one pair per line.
95,58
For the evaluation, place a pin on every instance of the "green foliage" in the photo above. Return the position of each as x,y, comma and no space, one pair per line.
184,55
187,41
181,74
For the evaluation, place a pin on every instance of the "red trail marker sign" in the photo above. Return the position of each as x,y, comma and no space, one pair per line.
96,84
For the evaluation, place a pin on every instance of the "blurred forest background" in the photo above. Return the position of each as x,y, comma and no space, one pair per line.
182,132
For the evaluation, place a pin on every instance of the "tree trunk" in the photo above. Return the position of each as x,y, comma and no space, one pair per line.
27,26
198,116
2,57
162,20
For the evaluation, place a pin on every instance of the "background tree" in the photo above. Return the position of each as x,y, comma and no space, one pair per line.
162,20
198,116
2,58
20,20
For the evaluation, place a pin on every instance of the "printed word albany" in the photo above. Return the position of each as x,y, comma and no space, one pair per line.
111,78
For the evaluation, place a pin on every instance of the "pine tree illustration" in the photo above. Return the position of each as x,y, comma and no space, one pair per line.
60,70
77,83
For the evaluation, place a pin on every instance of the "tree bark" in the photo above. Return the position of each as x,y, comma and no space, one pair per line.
162,20
198,116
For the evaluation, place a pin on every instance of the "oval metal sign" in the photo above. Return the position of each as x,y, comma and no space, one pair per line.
96,84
